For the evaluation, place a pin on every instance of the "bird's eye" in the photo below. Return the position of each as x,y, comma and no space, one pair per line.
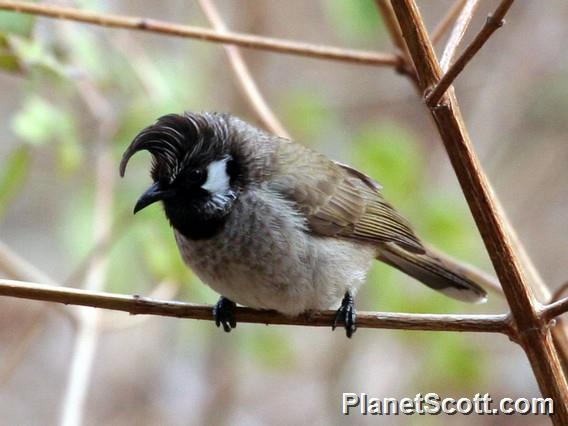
196,176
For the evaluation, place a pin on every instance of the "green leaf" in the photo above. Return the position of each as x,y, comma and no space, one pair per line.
33,54
14,172
40,122
37,122
9,61
16,23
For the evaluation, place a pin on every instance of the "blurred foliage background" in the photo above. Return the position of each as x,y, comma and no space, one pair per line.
74,95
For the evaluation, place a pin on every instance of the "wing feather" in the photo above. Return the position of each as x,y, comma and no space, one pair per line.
338,200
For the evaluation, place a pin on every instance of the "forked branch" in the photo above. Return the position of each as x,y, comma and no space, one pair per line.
534,334
492,24
458,32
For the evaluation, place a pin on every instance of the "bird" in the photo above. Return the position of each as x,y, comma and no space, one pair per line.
271,224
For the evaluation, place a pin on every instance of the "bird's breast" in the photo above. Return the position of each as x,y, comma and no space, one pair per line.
264,258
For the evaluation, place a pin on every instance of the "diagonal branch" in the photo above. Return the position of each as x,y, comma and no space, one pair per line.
389,18
391,23
147,306
244,77
534,335
493,23
457,33
245,40
560,331
555,309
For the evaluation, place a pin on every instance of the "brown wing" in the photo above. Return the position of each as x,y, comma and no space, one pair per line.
339,200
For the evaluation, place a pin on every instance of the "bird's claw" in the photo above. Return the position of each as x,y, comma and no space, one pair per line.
346,314
224,314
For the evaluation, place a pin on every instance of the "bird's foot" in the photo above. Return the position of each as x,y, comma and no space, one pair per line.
347,314
224,314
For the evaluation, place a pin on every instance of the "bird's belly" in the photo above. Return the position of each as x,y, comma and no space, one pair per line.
264,258
288,282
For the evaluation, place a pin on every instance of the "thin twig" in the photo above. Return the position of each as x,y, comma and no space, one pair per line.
555,309
142,305
560,331
391,23
405,64
244,77
458,32
115,321
492,23
87,332
16,267
533,335
205,34
446,23
559,292
390,19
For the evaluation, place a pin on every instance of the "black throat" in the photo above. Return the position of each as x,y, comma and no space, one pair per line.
199,218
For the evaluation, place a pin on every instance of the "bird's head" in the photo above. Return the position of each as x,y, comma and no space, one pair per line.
196,170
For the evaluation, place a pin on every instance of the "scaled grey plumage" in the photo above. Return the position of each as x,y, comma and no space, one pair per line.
271,224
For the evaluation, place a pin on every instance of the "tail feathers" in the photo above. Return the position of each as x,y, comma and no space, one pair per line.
439,274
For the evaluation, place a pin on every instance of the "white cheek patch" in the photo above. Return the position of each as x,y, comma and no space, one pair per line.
217,178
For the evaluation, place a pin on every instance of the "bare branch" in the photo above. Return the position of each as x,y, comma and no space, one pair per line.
559,292
458,32
147,306
16,267
391,23
555,309
244,77
534,336
446,23
404,65
245,40
87,332
492,23
115,320
86,338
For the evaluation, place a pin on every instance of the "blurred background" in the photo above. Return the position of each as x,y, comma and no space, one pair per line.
72,98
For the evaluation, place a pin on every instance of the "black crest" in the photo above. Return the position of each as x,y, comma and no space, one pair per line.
176,140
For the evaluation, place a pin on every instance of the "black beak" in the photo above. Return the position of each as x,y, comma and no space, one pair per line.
153,194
